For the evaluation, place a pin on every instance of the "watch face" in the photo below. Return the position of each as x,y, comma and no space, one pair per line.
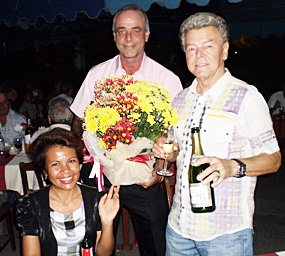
241,168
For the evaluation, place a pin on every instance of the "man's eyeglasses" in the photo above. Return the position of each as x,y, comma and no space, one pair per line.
5,102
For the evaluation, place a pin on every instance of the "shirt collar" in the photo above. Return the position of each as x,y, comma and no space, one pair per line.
217,88
138,75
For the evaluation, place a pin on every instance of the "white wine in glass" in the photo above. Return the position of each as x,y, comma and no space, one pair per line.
168,148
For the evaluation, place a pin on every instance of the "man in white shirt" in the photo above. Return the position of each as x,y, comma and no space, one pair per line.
276,102
59,116
66,90
238,145
10,121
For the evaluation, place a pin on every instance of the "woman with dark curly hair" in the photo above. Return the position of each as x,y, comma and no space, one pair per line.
55,219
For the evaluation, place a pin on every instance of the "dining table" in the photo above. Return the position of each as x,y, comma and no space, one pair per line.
10,174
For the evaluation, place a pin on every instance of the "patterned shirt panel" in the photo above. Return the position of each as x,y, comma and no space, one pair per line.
234,122
69,230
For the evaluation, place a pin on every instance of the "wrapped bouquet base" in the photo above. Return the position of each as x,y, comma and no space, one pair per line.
124,165
121,125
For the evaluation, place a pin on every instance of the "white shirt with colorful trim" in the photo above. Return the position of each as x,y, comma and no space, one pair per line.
235,123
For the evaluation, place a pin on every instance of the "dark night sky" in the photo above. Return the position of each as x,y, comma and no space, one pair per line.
48,50
249,17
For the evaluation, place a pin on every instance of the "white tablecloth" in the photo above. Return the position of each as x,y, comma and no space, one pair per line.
13,177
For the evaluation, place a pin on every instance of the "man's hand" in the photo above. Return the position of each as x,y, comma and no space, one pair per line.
158,152
155,178
218,171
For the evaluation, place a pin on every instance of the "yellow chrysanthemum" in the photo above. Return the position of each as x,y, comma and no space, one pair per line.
101,144
151,119
135,115
124,108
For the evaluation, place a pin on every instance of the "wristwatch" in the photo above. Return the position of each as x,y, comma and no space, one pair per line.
241,168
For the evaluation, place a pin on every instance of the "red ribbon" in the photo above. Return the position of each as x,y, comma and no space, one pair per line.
87,154
99,180
141,158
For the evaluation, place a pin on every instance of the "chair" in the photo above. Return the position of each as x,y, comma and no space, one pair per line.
126,245
169,183
6,213
29,167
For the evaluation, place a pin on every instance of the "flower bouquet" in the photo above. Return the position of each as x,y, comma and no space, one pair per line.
121,124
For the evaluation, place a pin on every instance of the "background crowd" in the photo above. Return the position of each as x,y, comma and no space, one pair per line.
259,61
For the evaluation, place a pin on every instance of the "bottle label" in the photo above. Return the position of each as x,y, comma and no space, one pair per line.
87,252
2,146
27,138
200,195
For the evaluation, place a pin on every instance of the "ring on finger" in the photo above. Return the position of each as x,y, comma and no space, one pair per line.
218,172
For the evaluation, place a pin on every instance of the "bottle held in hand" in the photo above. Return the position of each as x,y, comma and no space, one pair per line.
201,196
86,248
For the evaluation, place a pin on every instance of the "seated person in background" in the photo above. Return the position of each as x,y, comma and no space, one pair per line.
9,196
10,120
55,219
54,92
276,102
59,115
10,92
66,90
28,108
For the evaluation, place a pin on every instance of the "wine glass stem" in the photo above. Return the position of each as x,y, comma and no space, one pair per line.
165,164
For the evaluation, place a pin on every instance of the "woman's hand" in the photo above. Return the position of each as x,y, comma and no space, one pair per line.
109,205
108,208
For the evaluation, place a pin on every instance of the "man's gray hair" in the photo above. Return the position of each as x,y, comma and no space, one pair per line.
201,20
131,7
58,110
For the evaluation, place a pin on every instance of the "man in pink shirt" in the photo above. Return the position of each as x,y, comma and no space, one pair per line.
145,202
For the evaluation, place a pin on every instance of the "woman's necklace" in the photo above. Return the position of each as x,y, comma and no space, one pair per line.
62,206
59,206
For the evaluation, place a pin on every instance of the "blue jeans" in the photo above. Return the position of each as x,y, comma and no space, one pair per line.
237,244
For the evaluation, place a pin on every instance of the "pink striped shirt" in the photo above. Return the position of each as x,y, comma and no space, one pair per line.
150,71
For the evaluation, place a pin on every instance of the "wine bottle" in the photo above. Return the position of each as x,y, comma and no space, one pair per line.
2,144
201,196
28,135
86,248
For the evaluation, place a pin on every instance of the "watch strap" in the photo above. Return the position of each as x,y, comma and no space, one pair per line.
241,168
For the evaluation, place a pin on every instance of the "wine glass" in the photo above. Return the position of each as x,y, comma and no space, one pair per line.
168,147
18,144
